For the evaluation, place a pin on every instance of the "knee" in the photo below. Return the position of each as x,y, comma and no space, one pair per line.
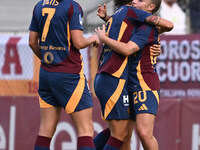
47,131
86,129
128,136
121,135
144,135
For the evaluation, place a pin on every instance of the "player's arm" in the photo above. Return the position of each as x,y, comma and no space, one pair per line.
102,12
165,25
128,48
119,47
33,43
81,42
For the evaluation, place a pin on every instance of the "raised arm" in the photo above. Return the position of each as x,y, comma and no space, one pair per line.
102,12
165,25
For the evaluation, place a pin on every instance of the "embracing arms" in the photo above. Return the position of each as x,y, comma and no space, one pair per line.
163,24
125,49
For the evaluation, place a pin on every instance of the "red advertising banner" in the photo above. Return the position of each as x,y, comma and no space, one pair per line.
177,125
167,126
190,124
179,66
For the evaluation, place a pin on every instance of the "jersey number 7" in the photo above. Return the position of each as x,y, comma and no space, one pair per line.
50,13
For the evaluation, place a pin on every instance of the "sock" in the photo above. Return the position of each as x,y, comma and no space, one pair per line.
113,144
85,143
101,139
42,143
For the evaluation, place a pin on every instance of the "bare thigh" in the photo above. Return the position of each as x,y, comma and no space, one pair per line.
118,128
83,122
145,124
49,120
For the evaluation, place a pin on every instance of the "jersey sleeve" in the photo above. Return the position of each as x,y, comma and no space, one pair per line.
137,15
145,34
76,15
34,25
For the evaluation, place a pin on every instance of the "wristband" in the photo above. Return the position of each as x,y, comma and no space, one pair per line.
104,16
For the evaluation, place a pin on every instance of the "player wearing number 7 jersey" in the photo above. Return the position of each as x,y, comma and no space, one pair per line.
55,37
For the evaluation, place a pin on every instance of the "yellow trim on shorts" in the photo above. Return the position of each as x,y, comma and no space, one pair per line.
114,98
76,96
156,95
43,104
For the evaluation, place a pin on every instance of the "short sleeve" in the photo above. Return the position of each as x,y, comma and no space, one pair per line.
144,35
137,15
76,15
34,26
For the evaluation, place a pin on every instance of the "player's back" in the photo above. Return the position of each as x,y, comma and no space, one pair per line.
54,20
120,26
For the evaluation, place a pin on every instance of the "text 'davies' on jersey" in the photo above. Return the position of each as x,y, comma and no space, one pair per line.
120,26
53,21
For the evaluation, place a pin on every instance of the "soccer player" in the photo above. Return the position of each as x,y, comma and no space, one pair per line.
110,82
55,37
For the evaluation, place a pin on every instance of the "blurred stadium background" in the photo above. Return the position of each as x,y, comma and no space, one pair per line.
177,124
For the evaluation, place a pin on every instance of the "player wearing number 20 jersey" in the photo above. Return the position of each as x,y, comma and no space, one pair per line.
110,81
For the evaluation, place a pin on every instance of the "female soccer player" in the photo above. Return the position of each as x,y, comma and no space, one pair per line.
114,71
55,37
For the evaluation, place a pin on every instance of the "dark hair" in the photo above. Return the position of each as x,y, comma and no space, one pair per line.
59,0
157,5
121,2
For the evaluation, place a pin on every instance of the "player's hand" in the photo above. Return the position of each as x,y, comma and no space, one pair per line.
101,33
155,50
96,43
102,11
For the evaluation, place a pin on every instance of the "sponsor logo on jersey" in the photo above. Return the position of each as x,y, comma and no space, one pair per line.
80,19
126,100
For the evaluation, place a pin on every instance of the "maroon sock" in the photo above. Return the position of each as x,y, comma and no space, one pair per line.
115,142
85,141
43,141
106,132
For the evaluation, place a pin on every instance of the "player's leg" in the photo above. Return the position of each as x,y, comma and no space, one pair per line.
84,125
72,93
49,112
145,107
113,97
80,106
101,139
131,124
127,142
49,120
118,130
144,127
